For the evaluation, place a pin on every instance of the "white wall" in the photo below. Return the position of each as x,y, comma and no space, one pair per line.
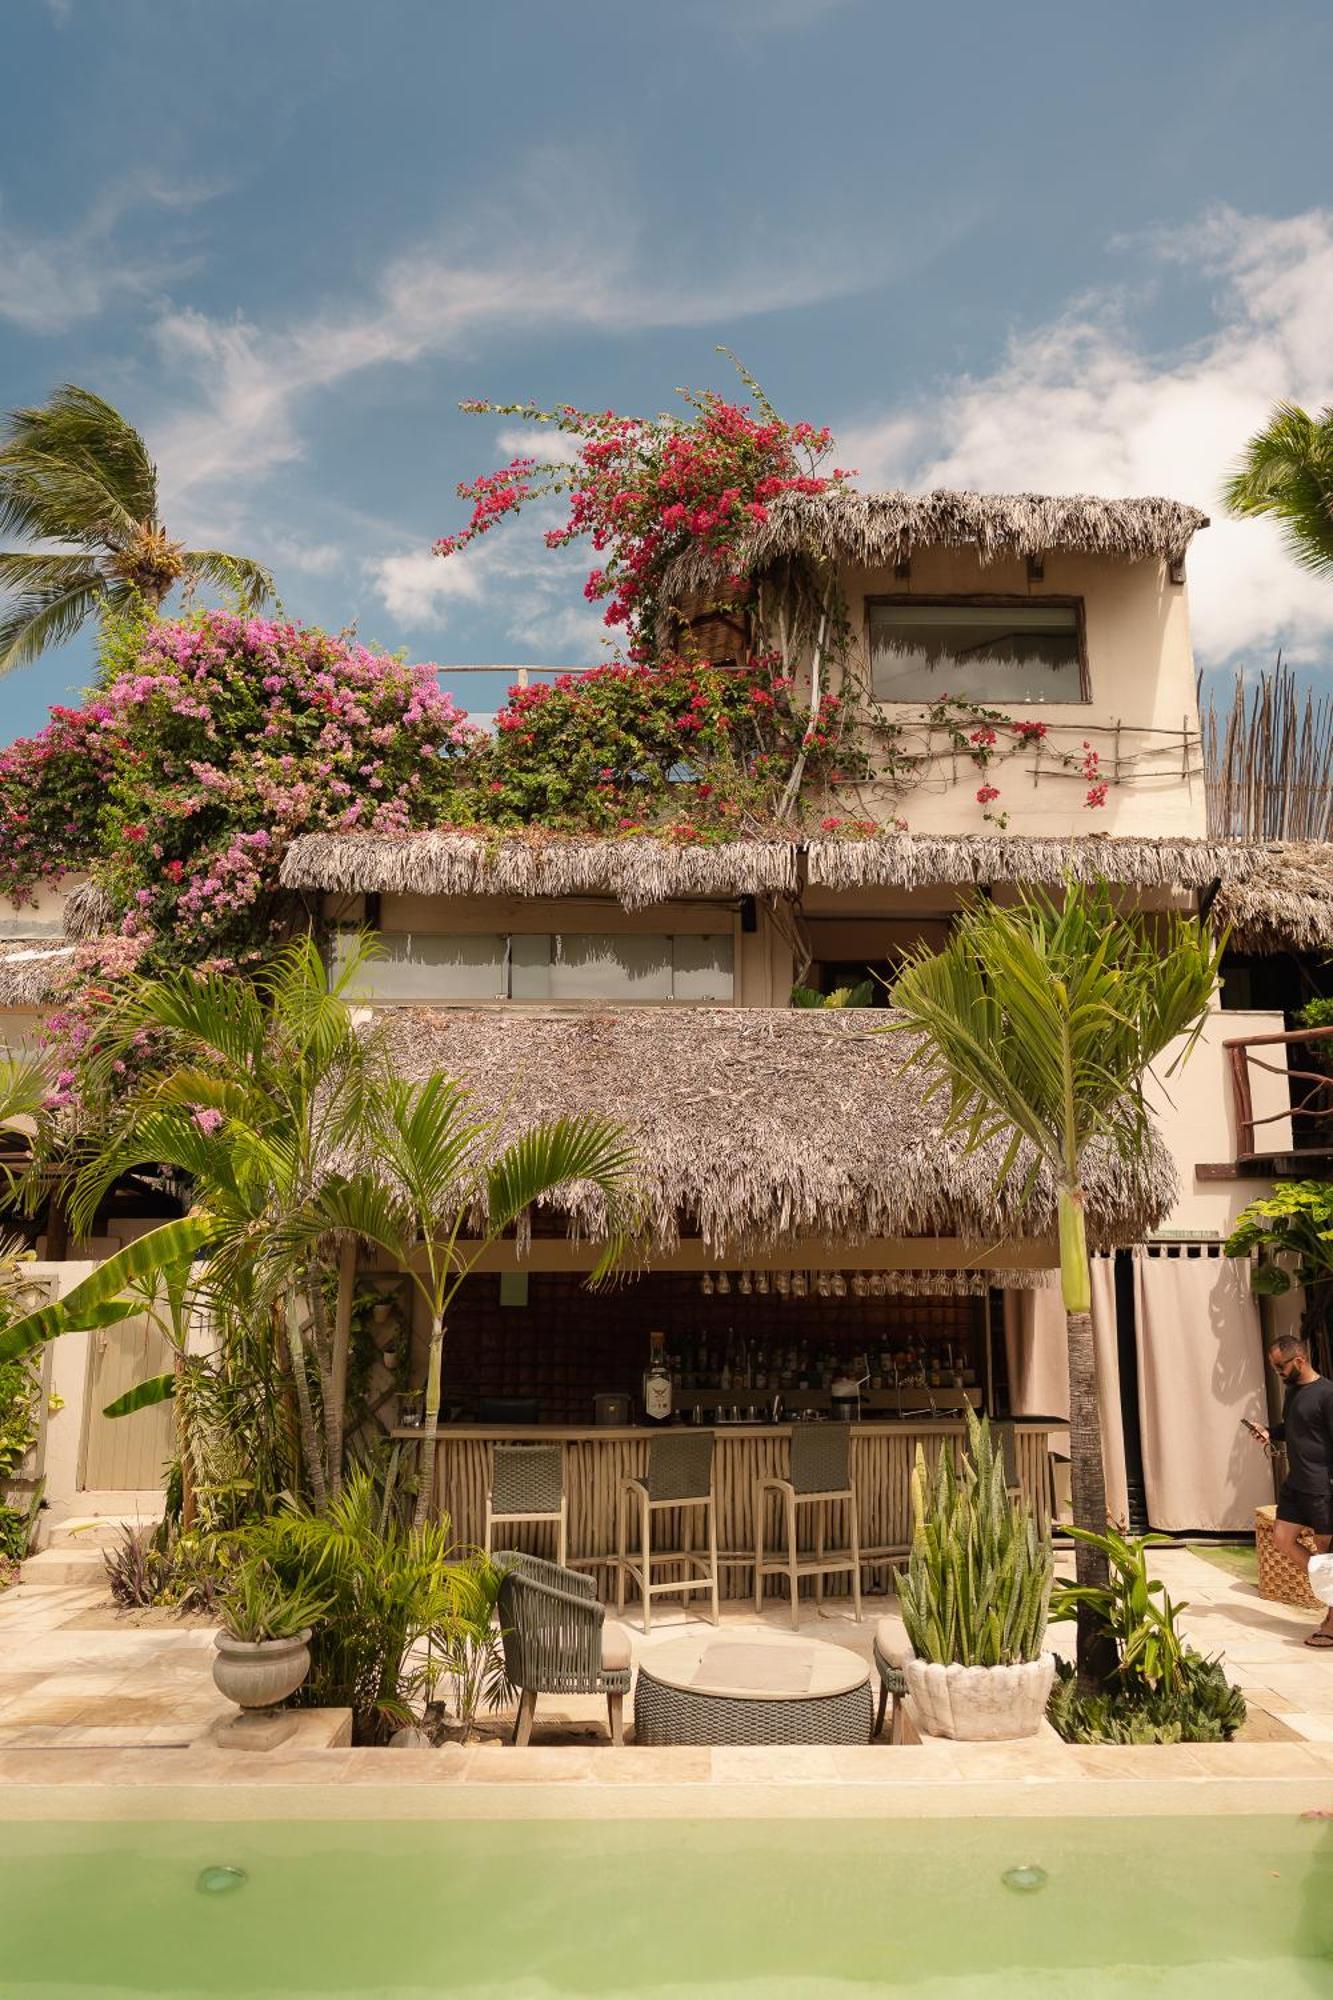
1196,1114
1140,676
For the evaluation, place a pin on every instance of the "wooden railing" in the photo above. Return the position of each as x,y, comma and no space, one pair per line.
1307,1102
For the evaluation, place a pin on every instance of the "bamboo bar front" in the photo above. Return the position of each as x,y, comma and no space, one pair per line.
595,1460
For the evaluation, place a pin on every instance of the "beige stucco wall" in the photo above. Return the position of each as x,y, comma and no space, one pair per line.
20,1030
44,916
1140,676
1196,1116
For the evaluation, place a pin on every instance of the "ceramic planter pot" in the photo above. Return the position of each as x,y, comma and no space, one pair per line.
258,1674
979,1704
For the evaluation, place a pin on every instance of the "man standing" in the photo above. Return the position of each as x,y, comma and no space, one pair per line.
1305,1502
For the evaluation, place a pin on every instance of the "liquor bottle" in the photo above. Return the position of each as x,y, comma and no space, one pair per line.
657,1398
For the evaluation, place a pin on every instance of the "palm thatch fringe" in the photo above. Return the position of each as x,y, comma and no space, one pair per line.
1285,904
913,861
638,871
88,911
28,969
641,870
757,1126
876,530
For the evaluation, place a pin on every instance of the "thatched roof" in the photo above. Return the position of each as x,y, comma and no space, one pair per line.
88,911
915,860
1285,903
28,967
876,530
639,870
754,1126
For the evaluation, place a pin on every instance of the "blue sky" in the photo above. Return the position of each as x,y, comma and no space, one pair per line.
1066,247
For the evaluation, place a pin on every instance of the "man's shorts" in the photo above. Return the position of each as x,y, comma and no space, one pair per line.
1308,1510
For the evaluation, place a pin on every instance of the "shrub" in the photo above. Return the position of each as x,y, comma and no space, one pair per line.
164,1567
385,1586
978,1581
214,740
471,1655
1203,1707
256,1605
1163,1690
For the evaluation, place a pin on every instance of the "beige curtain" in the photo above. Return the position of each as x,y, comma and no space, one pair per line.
1038,1358
1201,1369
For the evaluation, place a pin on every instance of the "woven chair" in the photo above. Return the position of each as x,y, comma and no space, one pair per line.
680,1476
820,1477
890,1650
556,1640
528,1484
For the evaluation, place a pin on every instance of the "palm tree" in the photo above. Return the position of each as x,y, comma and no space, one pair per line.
438,1187
1287,471
74,472
256,1087
1042,1021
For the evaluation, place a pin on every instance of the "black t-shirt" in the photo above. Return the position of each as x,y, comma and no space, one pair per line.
1307,1432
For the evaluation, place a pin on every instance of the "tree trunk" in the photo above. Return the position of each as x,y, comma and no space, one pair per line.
333,1430
336,1416
314,1457
1096,1649
431,1426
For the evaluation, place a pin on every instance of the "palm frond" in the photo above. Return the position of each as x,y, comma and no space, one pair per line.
1043,1019
1286,472
555,1155
247,581
47,615
73,469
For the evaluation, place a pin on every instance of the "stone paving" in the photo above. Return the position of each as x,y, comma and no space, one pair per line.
90,1698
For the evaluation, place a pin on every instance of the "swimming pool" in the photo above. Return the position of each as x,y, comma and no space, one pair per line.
780,1910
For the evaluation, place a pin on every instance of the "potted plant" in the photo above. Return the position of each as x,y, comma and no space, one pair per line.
263,1648
975,1600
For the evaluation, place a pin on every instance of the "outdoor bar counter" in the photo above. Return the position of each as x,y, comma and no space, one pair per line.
596,1459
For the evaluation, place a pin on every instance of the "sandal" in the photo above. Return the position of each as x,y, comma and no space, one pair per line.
1320,1640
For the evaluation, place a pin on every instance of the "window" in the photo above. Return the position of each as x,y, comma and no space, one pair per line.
992,652
622,966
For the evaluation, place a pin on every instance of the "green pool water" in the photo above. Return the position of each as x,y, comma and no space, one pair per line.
780,1910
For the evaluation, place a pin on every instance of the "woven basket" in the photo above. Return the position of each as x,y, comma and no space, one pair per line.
1279,1578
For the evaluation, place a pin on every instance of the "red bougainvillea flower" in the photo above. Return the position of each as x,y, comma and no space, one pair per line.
644,492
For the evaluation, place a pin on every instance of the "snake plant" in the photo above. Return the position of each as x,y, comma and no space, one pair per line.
978,1582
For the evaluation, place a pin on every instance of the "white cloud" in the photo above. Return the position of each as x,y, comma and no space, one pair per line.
251,382
1077,406
48,283
540,441
531,593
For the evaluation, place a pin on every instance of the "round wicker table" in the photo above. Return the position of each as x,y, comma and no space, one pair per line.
751,1687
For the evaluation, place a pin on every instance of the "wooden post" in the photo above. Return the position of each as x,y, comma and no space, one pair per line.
342,1324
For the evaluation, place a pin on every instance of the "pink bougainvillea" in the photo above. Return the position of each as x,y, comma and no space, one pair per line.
181,781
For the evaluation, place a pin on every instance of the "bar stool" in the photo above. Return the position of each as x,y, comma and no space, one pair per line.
680,1474
820,1474
528,1484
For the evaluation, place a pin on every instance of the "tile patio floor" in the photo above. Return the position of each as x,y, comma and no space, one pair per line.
90,1698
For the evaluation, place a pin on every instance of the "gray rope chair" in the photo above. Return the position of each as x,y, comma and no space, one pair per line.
820,1477
528,1484
889,1652
557,1640
680,1478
